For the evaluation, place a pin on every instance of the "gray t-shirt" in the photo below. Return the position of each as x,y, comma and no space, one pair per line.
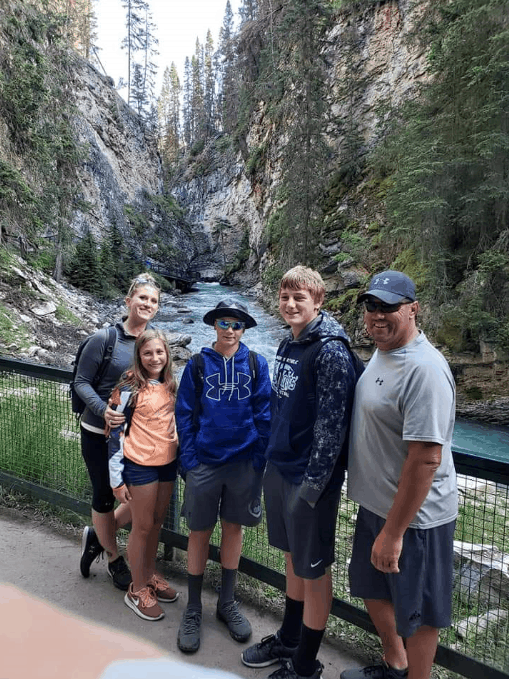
407,394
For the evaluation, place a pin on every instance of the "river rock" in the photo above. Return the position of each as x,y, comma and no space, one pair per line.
187,321
44,309
176,339
476,623
180,353
482,570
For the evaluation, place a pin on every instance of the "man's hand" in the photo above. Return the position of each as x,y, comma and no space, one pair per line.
386,552
122,494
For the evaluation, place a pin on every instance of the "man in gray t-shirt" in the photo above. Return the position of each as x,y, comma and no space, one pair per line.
402,474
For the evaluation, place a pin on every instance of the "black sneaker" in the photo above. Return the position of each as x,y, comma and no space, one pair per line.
237,623
287,671
120,573
268,651
383,671
90,549
188,638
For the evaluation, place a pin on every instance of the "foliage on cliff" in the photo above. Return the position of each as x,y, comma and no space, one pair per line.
447,156
436,178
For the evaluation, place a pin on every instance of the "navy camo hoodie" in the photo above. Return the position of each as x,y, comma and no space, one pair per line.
310,414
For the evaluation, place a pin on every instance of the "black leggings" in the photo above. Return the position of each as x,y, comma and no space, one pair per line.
94,449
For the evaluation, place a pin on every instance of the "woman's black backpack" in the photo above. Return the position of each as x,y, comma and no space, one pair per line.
77,405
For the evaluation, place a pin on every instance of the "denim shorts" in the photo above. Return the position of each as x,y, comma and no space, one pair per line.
421,592
140,475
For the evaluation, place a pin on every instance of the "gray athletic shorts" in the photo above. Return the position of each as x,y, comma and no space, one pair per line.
232,491
307,533
421,592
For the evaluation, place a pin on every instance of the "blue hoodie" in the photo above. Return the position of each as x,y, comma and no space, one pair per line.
309,431
234,421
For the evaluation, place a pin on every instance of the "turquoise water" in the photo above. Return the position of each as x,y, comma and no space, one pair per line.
483,440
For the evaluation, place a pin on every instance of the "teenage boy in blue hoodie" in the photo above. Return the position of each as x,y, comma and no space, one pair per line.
312,397
223,421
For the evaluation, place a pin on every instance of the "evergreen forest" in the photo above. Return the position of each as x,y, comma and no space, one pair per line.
427,194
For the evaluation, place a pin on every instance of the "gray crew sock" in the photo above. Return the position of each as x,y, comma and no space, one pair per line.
194,586
228,580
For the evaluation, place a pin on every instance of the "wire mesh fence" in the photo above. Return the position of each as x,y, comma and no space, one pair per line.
40,452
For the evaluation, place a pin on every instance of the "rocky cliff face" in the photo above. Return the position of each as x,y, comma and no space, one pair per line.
374,47
122,169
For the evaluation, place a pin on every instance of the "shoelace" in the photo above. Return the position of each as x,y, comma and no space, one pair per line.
159,583
146,597
231,611
191,621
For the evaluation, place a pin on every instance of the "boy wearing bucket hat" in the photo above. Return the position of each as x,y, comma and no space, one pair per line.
223,420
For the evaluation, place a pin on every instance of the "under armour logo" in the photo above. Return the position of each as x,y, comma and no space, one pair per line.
379,381
239,387
385,281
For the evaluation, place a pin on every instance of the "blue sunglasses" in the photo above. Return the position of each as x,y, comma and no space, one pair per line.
234,325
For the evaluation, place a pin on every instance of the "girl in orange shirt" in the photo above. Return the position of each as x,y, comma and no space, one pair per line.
143,466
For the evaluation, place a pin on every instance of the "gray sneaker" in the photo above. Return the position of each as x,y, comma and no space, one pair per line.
268,651
287,671
237,623
188,638
382,671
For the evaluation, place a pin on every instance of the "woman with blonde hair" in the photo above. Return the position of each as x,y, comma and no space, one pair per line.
142,302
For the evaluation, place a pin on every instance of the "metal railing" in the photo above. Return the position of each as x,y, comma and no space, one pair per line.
40,455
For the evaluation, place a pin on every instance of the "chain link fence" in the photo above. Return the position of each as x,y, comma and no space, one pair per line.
40,454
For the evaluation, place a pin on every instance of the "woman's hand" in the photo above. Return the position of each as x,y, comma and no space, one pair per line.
113,418
122,494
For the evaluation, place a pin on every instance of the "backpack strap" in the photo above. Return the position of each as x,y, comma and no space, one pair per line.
198,374
253,365
111,343
309,358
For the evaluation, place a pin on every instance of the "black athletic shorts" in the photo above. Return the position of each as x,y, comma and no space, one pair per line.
421,592
307,533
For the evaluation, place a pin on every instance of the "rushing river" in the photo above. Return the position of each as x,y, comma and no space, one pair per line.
264,338
481,439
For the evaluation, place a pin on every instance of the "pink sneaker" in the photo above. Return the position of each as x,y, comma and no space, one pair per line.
144,603
162,589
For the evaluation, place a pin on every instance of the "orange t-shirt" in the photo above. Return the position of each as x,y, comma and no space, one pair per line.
152,438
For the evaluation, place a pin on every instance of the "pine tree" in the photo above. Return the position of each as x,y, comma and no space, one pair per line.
187,111
209,86
227,72
447,156
197,97
248,11
293,58
134,40
150,43
84,269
